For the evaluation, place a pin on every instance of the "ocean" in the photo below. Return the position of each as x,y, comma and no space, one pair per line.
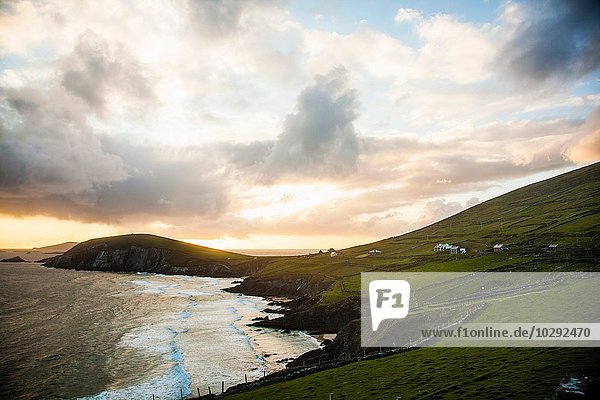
99,335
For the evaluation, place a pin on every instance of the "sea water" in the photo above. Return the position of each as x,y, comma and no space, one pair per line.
100,335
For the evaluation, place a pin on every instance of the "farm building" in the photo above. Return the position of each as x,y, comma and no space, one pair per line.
449,247
457,250
498,247
442,247
374,252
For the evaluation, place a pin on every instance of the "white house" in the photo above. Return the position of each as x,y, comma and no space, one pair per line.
333,253
374,252
499,247
442,247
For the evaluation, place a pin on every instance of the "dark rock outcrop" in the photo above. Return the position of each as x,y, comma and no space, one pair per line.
290,288
346,345
308,316
16,259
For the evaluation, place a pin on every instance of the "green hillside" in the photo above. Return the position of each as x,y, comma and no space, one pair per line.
180,250
563,210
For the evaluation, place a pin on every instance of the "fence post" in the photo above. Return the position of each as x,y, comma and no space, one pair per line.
209,392
198,389
330,396
246,378
181,392
222,387
264,373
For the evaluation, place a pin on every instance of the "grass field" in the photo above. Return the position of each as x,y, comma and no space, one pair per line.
441,373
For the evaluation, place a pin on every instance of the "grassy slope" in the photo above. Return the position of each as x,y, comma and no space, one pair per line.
563,210
435,373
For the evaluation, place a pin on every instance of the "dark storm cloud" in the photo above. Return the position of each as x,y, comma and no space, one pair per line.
11,165
559,39
53,163
162,182
49,144
94,69
319,139
157,183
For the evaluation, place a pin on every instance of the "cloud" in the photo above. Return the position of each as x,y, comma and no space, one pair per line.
585,146
53,160
51,144
454,50
156,182
436,210
473,201
94,70
246,156
319,138
165,182
407,15
215,19
553,40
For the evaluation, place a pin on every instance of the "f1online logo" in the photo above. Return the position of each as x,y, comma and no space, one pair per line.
389,300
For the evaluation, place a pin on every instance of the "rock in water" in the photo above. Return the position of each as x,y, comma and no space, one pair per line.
16,259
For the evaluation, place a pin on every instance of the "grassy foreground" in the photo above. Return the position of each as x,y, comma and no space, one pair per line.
441,373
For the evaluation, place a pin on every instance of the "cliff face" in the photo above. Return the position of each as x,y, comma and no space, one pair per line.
97,258
141,253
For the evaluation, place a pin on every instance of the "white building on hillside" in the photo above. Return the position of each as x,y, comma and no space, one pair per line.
499,247
442,247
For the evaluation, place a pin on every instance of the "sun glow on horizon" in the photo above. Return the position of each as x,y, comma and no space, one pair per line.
281,242
38,231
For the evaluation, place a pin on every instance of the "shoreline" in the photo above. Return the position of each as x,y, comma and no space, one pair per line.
264,342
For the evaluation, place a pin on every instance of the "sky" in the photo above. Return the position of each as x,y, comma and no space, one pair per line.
284,124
